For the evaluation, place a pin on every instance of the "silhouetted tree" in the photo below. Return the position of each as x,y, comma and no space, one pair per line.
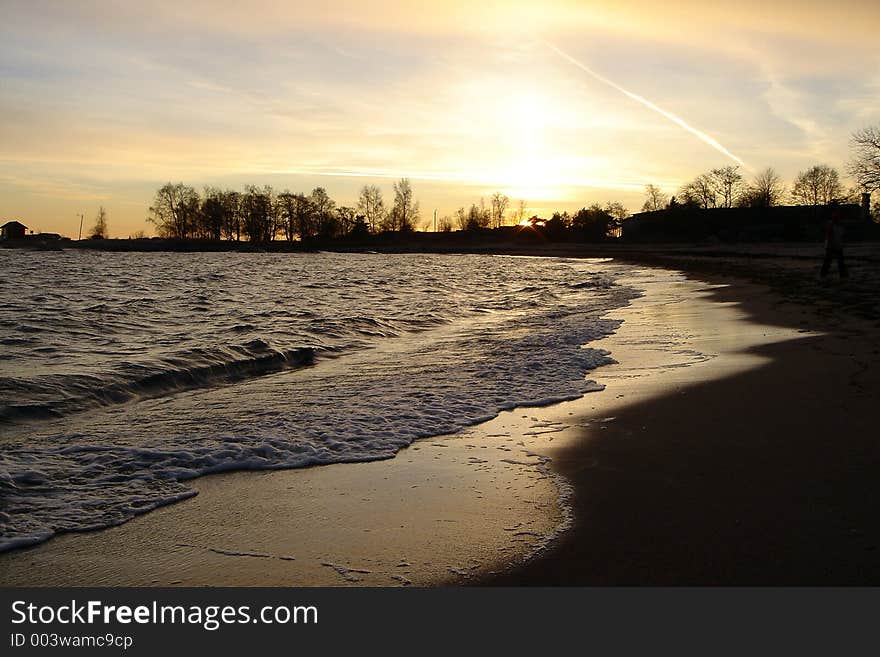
818,185
323,218
655,199
304,217
700,192
346,218
727,183
371,206
360,228
295,215
175,210
444,224
593,223
287,213
478,217
212,215
499,208
765,191
99,230
865,165
405,212
556,227
273,226
258,210
520,212
617,210
232,222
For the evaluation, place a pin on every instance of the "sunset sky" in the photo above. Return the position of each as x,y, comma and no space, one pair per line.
558,103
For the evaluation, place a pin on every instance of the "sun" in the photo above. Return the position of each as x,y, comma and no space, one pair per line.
532,168
519,140
528,117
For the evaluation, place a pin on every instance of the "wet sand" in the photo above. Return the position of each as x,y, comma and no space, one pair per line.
715,455
446,509
763,475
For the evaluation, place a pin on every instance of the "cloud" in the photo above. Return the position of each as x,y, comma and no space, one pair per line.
453,93
699,134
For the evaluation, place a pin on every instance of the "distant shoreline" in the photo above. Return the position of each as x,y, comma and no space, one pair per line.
503,240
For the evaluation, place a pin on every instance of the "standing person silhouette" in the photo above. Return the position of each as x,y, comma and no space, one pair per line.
834,242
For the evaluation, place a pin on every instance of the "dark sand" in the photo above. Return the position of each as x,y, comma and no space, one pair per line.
770,476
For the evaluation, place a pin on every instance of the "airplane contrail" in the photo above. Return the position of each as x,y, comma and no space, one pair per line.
702,136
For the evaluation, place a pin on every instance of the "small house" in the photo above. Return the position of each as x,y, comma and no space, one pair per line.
13,230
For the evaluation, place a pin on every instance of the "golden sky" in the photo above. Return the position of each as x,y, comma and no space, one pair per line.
559,103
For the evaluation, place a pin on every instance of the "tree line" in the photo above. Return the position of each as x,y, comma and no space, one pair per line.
726,187
260,214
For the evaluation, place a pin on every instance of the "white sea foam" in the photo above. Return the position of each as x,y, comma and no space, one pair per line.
498,333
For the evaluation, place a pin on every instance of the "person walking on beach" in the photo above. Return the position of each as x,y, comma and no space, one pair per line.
834,242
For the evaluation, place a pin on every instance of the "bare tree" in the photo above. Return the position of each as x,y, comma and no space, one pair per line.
700,191
499,208
765,191
259,213
99,230
322,207
231,228
212,214
287,207
303,217
865,165
405,212
616,210
294,215
461,218
655,199
371,206
818,185
347,218
727,183
520,212
175,210
444,224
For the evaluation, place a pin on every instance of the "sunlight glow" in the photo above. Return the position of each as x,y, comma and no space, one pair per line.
102,106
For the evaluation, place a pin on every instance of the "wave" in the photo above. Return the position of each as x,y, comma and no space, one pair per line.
83,392
421,346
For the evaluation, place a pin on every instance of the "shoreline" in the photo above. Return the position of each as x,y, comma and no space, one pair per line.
766,475
485,527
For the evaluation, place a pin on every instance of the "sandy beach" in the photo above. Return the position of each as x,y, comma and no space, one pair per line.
757,468
732,445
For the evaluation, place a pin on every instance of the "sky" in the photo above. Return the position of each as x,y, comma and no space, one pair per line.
558,103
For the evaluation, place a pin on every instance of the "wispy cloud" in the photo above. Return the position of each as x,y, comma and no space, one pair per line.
699,134
111,99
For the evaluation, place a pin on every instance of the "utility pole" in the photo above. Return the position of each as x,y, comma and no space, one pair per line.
81,217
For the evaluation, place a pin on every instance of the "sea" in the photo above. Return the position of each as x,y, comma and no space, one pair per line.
123,376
